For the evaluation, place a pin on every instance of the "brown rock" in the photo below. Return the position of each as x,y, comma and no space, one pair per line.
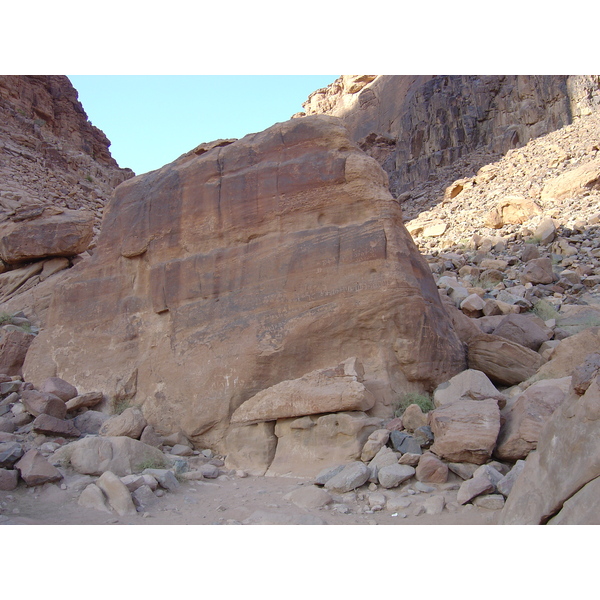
466,430
318,392
471,488
59,387
524,330
524,420
84,401
14,345
503,361
50,425
36,470
117,494
566,459
251,447
245,247
413,418
573,183
130,423
431,469
66,234
38,403
469,385
538,270
586,373
374,443
9,479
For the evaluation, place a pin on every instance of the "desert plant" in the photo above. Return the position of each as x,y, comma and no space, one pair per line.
150,463
423,401
119,405
5,318
545,311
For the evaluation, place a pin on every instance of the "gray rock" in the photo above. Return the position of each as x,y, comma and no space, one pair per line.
472,488
490,501
405,443
310,497
144,498
423,487
393,475
165,477
117,493
434,505
10,453
326,474
93,497
90,422
504,486
9,479
349,478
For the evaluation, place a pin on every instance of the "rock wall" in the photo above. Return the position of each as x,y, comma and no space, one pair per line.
255,262
414,125
54,164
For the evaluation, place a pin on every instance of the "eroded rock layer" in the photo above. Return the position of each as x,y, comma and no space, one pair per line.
223,274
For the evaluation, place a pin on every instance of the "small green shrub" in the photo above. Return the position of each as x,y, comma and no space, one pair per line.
150,463
120,405
5,318
545,311
424,402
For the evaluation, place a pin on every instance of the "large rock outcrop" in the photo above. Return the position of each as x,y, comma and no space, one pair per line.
255,262
413,125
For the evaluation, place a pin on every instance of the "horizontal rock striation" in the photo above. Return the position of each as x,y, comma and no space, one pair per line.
255,262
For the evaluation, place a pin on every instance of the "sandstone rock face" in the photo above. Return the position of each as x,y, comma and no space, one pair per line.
567,459
321,391
414,125
13,349
254,263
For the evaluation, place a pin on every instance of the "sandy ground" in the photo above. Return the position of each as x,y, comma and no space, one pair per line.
231,500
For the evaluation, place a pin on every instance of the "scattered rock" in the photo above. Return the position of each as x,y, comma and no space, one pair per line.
349,478
36,470
392,476
130,423
117,494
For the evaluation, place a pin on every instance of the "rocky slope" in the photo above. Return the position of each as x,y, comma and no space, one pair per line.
56,175
512,248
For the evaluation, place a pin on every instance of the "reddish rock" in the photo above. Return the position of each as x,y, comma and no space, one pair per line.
9,479
431,469
466,430
50,425
36,470
59,387
263,260
38,403
14,345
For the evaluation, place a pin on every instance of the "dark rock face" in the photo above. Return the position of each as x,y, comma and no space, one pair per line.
224,273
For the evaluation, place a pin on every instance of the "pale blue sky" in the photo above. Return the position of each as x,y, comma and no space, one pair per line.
151,120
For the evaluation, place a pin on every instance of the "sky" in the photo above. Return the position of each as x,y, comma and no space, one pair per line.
153,119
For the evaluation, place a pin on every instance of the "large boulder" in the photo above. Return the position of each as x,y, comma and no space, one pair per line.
321,391
469,385
465,430
66,234
567,458
14,344
227,272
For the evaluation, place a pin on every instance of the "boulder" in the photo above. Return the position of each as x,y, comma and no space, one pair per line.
84,401
566,459
503,361
66,234
10,453
226,273
36,470
310,497
59,387
524,420
116,493
9,479
50,425
14,345
349,478
130,423
121,455
581,508
538,270
321,391
524,330
392,476
405,443
251,447
471,488
144,498
466,430
413,418
374,443
90,421
93,497
305,446
37,403
468,385
504,486
431,469
573,183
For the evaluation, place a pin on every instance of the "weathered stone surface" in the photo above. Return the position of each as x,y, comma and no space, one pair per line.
9,479
566,459
50,425
121,455
13,349
59,387
144,498
538,270
307,445
392,476
165,477
65,234
503,361
129,423
524,330
374,443
405,443
575,182
84,401
431,469
282,252
117,494
327,473
150,437
527,415
584,374
10,453
251,447
434,505
349,478
93,497
468,385
36,470
471,488
90,421
463,470
581,508
37,403
322,391
466,430
489,501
